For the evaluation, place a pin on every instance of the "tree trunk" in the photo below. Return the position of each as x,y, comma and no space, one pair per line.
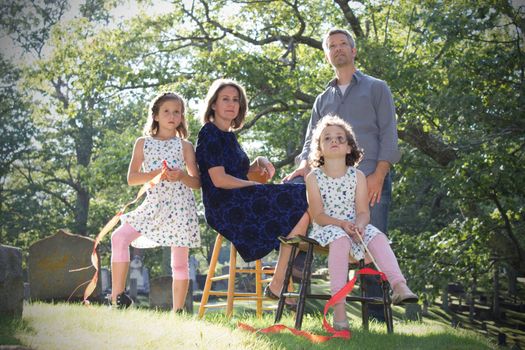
496,312
444,298
513,288
84,150
472,299
81,211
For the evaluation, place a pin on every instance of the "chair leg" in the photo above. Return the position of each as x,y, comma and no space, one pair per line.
305,283
364,304
258,288
387,303
287,276
211,273
231,281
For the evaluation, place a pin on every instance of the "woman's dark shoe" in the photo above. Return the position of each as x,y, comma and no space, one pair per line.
269,294
123,301
287,304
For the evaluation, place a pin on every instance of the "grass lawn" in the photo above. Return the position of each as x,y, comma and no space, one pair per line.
73,326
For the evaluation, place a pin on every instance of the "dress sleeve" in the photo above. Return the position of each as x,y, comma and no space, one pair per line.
210,149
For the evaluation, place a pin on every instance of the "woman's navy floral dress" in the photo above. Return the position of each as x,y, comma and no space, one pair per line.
251,217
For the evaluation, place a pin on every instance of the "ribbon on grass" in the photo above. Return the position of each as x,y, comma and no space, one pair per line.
316,338
108,227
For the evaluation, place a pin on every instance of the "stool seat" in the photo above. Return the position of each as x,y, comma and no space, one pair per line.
310,246
231,294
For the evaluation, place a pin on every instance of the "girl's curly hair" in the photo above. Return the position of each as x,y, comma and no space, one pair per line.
316,158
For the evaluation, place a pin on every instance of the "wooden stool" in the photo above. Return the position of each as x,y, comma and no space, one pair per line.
310,245
231,295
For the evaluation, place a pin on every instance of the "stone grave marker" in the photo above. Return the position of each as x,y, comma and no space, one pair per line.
50,263
11,281
139,273
160,295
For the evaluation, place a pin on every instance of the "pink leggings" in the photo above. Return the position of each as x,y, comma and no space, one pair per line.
125,234
380,250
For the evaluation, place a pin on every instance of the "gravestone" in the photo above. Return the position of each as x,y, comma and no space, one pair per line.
105,280
140,274
193,270
11,281
413,312
160,295
50,263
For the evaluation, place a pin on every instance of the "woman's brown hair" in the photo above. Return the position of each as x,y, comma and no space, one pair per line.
211,99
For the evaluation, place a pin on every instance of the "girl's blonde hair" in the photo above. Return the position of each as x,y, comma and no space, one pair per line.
212,96
316,158
151,128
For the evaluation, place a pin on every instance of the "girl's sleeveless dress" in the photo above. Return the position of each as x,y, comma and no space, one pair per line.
338,195
168,214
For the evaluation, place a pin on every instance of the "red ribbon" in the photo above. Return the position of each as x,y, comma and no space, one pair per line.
107,228
315,338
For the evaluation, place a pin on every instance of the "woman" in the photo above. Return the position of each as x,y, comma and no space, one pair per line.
250,215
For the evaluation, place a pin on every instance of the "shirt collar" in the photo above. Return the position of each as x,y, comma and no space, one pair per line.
356,77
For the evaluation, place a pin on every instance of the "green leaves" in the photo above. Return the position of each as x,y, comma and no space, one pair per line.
455,70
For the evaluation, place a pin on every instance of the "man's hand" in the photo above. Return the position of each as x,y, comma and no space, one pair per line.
374,183
302,170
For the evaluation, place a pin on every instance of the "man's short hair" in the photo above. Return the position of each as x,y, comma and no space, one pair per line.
338,31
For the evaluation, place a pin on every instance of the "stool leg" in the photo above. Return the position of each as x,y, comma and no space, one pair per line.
258,288
287,276
305,283
387,303
231,281
211,273
364,304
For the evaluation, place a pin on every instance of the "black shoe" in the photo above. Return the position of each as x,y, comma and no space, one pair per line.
123,301
269,294
288,306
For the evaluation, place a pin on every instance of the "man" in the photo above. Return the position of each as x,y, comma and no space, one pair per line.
366,103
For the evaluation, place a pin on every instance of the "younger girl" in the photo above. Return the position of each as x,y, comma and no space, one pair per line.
337,198
168,215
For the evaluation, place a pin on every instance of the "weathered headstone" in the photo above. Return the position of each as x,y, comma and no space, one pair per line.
51,261
105,280
193,270
139,273
413,312
11,281
160,295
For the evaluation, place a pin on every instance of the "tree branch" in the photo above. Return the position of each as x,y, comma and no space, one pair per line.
350,17
297,37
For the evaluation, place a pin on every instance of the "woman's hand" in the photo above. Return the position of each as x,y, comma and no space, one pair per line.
264,166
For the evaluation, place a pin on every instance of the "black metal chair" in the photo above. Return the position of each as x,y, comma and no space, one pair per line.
310,246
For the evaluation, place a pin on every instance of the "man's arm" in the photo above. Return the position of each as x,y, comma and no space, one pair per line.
388,141
386,117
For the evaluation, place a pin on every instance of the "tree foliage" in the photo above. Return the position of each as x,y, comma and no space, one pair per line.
456,70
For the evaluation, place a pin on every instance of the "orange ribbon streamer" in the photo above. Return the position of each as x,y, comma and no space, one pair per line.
111,223
315,338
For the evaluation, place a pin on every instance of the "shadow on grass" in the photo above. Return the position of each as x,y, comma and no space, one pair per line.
370,341
9,326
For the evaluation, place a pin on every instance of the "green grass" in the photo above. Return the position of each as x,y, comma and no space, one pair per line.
8,328
73,326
